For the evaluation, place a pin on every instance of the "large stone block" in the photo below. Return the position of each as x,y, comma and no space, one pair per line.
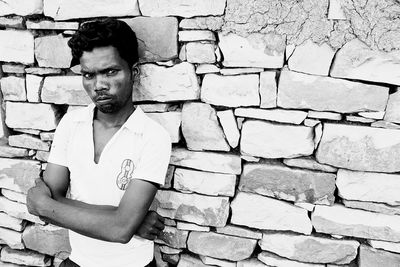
21,7
10,222
171,121
206,161
355,60
279,181
269,214
12,238
28,141
392,113
370,257
309,248
173,237
277,115
255,50
16,46
360,148
358,223
162,43
195,118
200,53
208,183
74,9
17,210
312,58
24,257
231,91
368,186
22,172
271,259
221,246
53,51
181,8
158,83
64,90
13,88
34,116
269,140
49,239
7,151
303,91
199,209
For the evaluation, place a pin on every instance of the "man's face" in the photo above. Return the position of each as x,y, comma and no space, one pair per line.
107,78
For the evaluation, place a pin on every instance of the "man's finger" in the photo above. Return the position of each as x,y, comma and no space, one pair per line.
159,225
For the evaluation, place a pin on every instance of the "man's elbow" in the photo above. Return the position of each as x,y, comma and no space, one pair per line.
122,235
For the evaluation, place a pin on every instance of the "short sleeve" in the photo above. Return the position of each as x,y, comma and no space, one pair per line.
153,163
58,152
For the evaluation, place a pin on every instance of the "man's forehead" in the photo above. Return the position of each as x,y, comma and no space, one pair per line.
101,58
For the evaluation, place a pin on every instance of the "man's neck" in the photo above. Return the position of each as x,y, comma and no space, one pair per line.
115,119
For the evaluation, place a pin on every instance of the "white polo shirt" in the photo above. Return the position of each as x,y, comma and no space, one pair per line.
140,149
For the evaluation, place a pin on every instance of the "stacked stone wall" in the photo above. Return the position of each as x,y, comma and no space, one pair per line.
284,117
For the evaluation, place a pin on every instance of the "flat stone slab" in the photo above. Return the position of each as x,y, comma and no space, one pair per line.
18,210
195,118
51,25
64,90
271,259
268,214
368,186
231,91
10,222
324,115
360,148
270,140
158,83
388,246
23,257
206,161
12,238
171,121
190,261
17,46
217,262
276,115
239,231
312,58
372,206
49,239
303,91
21,7
28,141
252,262
192,227
279,181
53,51
22,172
13,88
212,23
14,196
31,116
199,209
207,183
74,9
309,248
370,257
355,60
308,163
393,108
200,53
161,44
196,35
181,8
221,246
268,89
256,50
339,220
173,237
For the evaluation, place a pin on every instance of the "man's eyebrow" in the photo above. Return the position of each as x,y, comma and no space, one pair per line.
102,69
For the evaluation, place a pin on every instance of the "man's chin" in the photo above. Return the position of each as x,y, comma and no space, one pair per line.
106,108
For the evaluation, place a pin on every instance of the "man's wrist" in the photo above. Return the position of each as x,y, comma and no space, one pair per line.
44,205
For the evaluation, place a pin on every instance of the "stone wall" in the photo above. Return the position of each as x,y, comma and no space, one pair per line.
284,115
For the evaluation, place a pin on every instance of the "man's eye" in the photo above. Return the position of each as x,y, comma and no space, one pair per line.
111,72
88,76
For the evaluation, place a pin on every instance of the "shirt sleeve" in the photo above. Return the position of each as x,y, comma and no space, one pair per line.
153,163
58,152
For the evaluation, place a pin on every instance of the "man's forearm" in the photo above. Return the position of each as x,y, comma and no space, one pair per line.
80,204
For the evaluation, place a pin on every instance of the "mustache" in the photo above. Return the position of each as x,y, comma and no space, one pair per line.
102,96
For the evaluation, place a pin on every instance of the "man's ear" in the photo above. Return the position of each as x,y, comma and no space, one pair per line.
135,71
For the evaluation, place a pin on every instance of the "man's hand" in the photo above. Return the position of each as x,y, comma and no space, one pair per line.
151,226
37,195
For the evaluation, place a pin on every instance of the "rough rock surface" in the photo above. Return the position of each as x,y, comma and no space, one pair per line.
51,25
17,210
369,186
33,87
372,206
308,163
271,259
22,173
370,257
388,246
161,44
207,183
171,121
269,214
357,223
255,50
27,115
10,222
279,181
13,88
302,91
229,125
212,23
159,83
206,161
195,118
360,148
173,237
21,7
17,46
221,246
53,51
181,8
269,140
64,90
231,91
268,89
309,248
199,209
200,53
29,258
28,141
71,9
392,113
196,35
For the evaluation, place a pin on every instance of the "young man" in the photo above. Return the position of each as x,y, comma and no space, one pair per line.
110,155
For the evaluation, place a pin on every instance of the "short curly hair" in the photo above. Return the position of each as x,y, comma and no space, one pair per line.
105,32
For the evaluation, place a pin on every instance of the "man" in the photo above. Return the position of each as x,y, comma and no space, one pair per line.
110,155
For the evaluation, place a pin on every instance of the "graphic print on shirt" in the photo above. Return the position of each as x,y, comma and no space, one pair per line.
125,175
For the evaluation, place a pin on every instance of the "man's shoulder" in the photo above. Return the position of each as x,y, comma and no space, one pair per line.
76,114
153,129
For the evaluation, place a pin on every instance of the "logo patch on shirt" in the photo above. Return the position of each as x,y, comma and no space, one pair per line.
125,175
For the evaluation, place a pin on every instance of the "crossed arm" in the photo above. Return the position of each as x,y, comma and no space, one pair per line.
109,223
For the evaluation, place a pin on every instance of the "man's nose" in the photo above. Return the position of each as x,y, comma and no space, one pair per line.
100,83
